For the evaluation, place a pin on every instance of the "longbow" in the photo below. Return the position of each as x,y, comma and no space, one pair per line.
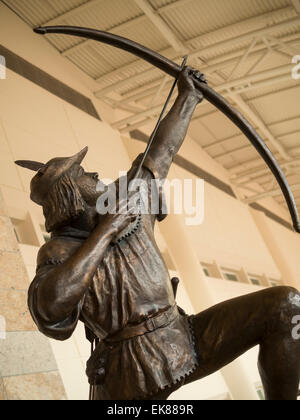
209,94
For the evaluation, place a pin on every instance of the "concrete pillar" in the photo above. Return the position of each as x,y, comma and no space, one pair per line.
275,246
238,381
186,259
28,370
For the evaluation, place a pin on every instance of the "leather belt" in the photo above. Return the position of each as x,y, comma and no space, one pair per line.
160,320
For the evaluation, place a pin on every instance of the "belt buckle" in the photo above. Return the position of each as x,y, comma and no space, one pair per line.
166,318
163,319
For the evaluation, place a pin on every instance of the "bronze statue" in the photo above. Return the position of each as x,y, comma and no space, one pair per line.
147,347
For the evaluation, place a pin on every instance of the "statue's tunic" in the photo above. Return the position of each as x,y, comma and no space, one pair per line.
130,285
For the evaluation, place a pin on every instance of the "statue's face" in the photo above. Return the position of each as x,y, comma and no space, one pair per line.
87,183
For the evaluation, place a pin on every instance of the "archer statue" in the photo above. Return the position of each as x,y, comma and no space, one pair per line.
118,284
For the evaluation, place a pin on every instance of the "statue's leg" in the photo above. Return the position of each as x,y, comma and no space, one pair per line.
225,331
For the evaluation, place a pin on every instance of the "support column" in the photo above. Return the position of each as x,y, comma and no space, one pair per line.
28,370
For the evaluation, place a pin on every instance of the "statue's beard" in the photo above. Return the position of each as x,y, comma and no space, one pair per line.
90,194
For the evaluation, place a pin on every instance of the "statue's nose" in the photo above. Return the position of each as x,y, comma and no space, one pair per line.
94,175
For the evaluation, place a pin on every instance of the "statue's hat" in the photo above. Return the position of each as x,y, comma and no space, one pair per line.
48,173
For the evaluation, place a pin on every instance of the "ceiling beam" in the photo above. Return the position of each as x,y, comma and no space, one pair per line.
259,169
281,199
158,110
208,68
296,4
255,118
229,43
243,58
242,82
147,113
248,146
128,108
127,68
258,178
222,142
124,82
287,50
137,125
161,25
196,117
71,50
211,48
226,94
174,5
143,93
243,86
219,62
229,152
272,193
225,87
266,83
290,133
286,120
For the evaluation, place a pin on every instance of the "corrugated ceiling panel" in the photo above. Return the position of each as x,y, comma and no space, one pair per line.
242,159
40,11
116,59
120,75
88,60
277,87
131,86
287,126
62,7
220,126
202,16
102,17
63,42
269,62
291,141
292,29
144,33
106,14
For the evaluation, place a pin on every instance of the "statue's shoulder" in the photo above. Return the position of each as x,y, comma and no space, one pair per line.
56,251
